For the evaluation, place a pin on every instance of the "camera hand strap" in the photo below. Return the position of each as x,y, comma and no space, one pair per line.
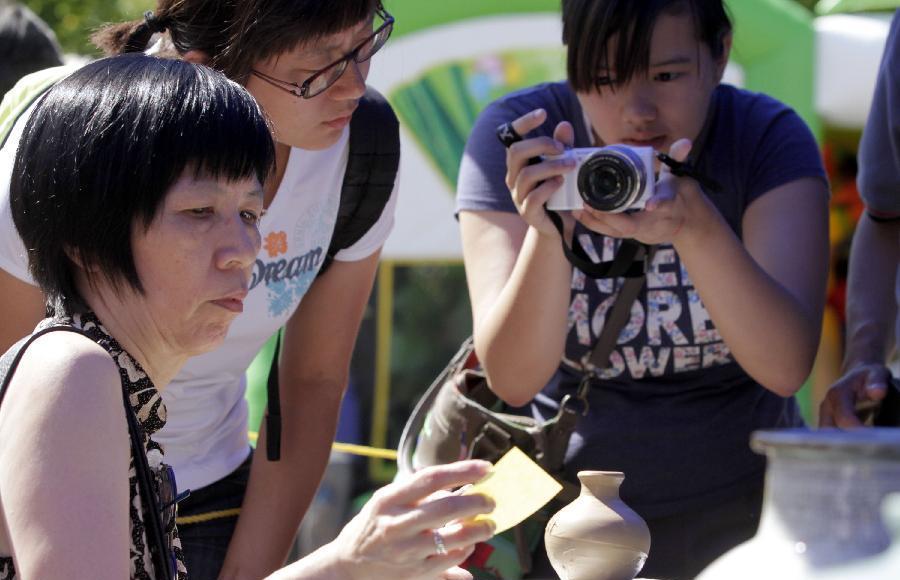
628,263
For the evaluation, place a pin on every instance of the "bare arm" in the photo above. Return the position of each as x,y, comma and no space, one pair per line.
314,368
517,274
21,309
766,295
871,315
393,535
520,296
66,502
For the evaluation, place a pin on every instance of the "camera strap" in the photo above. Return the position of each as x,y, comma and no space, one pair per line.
629,262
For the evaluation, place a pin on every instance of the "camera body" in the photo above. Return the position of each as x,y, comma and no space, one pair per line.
613,179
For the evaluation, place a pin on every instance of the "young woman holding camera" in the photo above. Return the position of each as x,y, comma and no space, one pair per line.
726,327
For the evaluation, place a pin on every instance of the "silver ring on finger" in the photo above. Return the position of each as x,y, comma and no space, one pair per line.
439,547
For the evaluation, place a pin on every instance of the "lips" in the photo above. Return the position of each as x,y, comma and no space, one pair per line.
339,122
342,120
233,302
656,142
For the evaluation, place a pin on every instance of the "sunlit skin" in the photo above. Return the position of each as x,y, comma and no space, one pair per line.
194,263
314,123
666,103
195,259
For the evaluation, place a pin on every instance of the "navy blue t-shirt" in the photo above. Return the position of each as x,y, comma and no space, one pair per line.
673,411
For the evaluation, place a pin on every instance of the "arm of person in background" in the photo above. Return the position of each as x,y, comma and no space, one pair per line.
874,254
395,534
314,369
871,315
22,306
65,503
21,309
765,292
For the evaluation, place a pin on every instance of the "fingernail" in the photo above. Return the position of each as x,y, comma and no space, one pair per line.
492,525
537,113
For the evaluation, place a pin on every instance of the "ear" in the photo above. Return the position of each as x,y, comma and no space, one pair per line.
196,57
75,258
722,60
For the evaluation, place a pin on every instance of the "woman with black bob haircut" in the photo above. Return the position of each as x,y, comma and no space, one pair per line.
137,193
118,134
137,190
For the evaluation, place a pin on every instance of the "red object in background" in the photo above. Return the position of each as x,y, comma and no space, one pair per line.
479,556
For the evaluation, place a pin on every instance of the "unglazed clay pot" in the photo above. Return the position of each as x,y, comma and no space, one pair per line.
597,536
822,506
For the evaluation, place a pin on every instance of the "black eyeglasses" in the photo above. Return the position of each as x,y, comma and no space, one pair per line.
168,500
325,77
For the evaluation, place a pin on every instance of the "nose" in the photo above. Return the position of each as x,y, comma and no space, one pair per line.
352,84
639,106
240,243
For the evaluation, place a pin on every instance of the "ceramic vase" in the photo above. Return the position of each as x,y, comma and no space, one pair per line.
597,536
822,504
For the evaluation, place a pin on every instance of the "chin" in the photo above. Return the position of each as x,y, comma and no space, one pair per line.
315,139
212,338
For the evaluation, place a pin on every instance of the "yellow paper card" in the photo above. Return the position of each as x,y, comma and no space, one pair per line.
518,486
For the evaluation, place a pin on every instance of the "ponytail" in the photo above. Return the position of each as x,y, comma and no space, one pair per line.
132,36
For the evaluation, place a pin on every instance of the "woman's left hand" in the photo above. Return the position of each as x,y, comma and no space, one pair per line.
666,215
411,529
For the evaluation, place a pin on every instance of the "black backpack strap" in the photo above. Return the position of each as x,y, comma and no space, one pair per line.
371,172
273,408
156,532
369,179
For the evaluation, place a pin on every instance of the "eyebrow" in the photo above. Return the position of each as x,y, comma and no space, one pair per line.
328,49
672,61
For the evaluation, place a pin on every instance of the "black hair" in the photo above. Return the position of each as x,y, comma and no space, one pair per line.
235,34
588,26
102,149
264,28
27,44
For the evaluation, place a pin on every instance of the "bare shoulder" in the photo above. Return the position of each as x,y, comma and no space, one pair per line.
65,381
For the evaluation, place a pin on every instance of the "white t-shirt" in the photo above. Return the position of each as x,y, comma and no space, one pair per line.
205,437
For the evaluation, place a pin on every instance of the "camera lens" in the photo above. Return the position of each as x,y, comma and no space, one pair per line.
611,179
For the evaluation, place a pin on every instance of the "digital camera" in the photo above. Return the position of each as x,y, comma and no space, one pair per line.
613,179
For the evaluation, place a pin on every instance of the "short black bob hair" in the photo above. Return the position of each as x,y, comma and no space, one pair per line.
588,26
101,151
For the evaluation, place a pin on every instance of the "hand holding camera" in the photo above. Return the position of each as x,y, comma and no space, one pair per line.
531,181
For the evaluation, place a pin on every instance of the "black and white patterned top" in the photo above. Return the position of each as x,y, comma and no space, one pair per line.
151,415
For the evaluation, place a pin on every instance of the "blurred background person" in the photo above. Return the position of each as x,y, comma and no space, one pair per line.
27,44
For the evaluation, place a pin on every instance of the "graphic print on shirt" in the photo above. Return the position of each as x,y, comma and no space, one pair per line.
288,264
669,330
286,277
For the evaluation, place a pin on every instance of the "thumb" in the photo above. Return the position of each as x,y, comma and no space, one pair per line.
565,134
876,386
679,150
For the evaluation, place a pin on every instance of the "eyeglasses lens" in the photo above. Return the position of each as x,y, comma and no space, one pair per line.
362,53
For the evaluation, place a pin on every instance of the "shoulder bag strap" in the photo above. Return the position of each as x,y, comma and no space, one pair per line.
620,312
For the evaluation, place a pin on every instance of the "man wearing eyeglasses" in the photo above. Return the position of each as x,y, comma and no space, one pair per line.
306,62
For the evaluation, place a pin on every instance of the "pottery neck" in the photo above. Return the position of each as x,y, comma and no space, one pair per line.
601,484
826,501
